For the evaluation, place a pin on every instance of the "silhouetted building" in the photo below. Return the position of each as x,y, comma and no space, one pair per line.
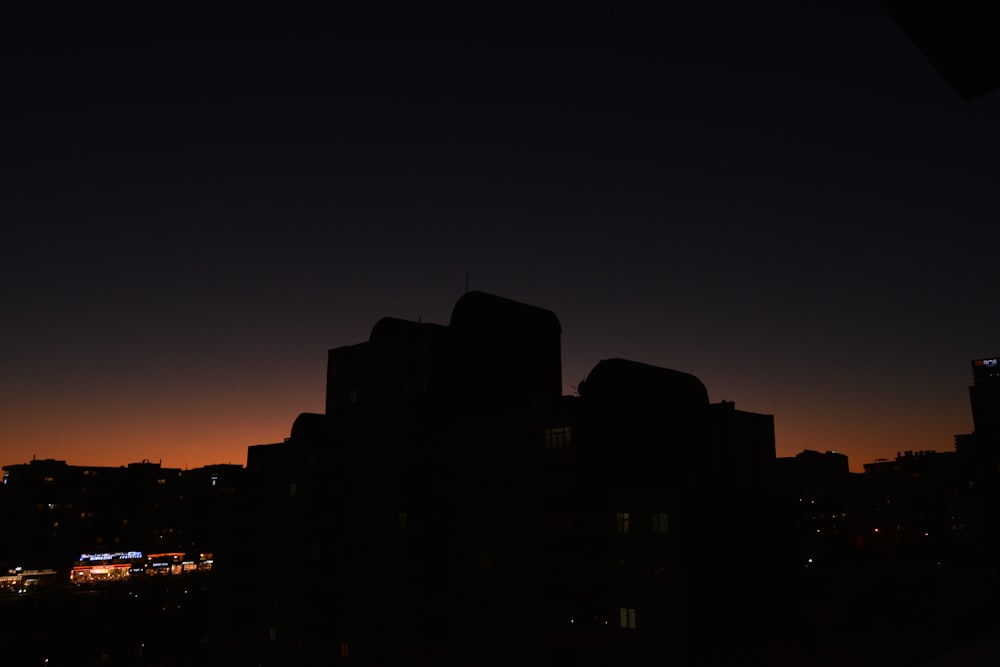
452,507
818,507
965,444
984,395
919,508
980,454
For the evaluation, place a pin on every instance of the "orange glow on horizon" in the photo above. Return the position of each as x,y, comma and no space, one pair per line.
193,444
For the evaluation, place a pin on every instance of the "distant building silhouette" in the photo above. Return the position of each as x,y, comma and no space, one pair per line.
819,507
55,512
919,507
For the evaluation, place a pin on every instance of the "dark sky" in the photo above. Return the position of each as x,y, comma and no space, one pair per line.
783,199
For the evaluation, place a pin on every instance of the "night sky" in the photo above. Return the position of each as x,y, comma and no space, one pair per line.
783,199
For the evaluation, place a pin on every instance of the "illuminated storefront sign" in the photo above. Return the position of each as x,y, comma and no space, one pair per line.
985,362
115,555
122,565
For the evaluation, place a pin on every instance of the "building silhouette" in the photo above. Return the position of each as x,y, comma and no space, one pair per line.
453,507
919,508
984,397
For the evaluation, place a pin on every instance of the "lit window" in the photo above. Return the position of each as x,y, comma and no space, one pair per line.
623,522
559,437
626,618
401,520
215,478
660,523
293,489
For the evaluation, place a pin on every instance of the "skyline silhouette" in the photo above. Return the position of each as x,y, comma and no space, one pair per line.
421,519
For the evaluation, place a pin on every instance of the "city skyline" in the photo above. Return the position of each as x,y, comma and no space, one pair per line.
593,529
788,203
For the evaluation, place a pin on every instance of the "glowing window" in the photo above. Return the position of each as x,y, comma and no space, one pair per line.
626,618
623,522
559,437
660,523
